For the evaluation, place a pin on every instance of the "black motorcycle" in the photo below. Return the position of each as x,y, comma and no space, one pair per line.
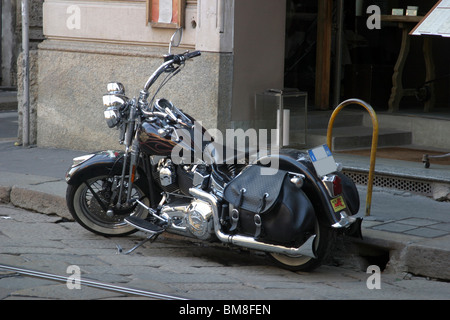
174,177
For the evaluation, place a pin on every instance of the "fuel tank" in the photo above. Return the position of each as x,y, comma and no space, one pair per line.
189,143
152,142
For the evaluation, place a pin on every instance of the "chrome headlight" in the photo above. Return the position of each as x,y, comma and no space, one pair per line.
115,88
113,102
112,117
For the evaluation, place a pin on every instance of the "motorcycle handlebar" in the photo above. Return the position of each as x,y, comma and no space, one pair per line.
168,61
165,116
193,54
186,56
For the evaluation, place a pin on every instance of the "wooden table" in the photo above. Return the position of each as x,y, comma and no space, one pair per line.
407,23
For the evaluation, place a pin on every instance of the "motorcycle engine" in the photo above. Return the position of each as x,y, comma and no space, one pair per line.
190,218
194,218
199,219
167,174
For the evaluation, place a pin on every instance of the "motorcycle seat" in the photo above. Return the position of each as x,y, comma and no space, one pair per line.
222,154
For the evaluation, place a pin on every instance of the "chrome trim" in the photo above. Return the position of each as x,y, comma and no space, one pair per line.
345,221
114,100
141,228
79,160
328,182
307,249
298,180
113,103
216,187
115,88
112,116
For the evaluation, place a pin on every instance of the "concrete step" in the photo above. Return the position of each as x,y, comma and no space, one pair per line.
355,137
320,119
398,171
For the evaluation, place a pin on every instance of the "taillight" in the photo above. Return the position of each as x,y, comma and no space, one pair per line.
333,183
337,185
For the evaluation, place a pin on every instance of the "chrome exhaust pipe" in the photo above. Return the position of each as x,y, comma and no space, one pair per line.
307,249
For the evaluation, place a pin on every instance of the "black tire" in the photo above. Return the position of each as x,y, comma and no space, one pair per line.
86,210
322,244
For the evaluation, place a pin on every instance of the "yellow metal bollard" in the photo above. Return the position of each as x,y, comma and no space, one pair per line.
374,142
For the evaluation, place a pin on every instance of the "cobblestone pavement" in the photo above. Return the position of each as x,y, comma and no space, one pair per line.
171,265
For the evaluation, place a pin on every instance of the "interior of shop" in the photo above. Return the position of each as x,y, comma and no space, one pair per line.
368,56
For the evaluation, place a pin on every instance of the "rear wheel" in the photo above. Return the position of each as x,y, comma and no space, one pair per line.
83,201
322,245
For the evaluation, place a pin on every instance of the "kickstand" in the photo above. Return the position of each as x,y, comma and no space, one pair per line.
150,238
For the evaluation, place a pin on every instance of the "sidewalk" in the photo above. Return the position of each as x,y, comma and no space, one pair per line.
414,229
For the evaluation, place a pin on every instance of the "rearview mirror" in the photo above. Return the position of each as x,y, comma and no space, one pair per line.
175,39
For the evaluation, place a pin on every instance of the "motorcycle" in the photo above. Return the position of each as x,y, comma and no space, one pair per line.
167,180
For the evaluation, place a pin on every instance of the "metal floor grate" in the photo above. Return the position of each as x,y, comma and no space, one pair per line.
399,183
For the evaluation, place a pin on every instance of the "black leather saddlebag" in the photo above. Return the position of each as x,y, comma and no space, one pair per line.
269,207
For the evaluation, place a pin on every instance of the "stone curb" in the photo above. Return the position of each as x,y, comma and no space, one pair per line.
35,200
415,255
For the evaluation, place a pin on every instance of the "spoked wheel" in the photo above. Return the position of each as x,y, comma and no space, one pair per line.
86,202
322,245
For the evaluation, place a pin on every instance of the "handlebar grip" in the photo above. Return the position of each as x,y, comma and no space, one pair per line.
193,54
185,56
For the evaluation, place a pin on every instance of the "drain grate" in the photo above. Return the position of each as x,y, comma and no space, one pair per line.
399,183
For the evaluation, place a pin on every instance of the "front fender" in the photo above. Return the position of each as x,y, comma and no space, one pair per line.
99,163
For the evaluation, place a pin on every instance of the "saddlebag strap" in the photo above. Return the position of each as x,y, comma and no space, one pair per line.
257,217
258,224
235,212
263,202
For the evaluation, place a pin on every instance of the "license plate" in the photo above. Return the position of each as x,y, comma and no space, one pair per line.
322,160
338,204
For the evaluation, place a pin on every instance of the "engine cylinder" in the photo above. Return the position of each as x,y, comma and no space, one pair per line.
199,220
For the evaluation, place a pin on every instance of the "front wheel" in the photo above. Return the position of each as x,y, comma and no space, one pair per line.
83,203
322,245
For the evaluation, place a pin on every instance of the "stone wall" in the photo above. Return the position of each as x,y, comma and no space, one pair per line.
72,83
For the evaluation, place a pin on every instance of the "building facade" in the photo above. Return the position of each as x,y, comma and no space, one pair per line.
247,46
89,43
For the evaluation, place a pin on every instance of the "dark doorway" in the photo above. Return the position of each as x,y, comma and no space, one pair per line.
368,55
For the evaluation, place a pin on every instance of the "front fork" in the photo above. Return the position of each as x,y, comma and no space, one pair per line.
133,164
133,154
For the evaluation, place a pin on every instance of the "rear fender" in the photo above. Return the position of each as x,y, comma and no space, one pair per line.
100,163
